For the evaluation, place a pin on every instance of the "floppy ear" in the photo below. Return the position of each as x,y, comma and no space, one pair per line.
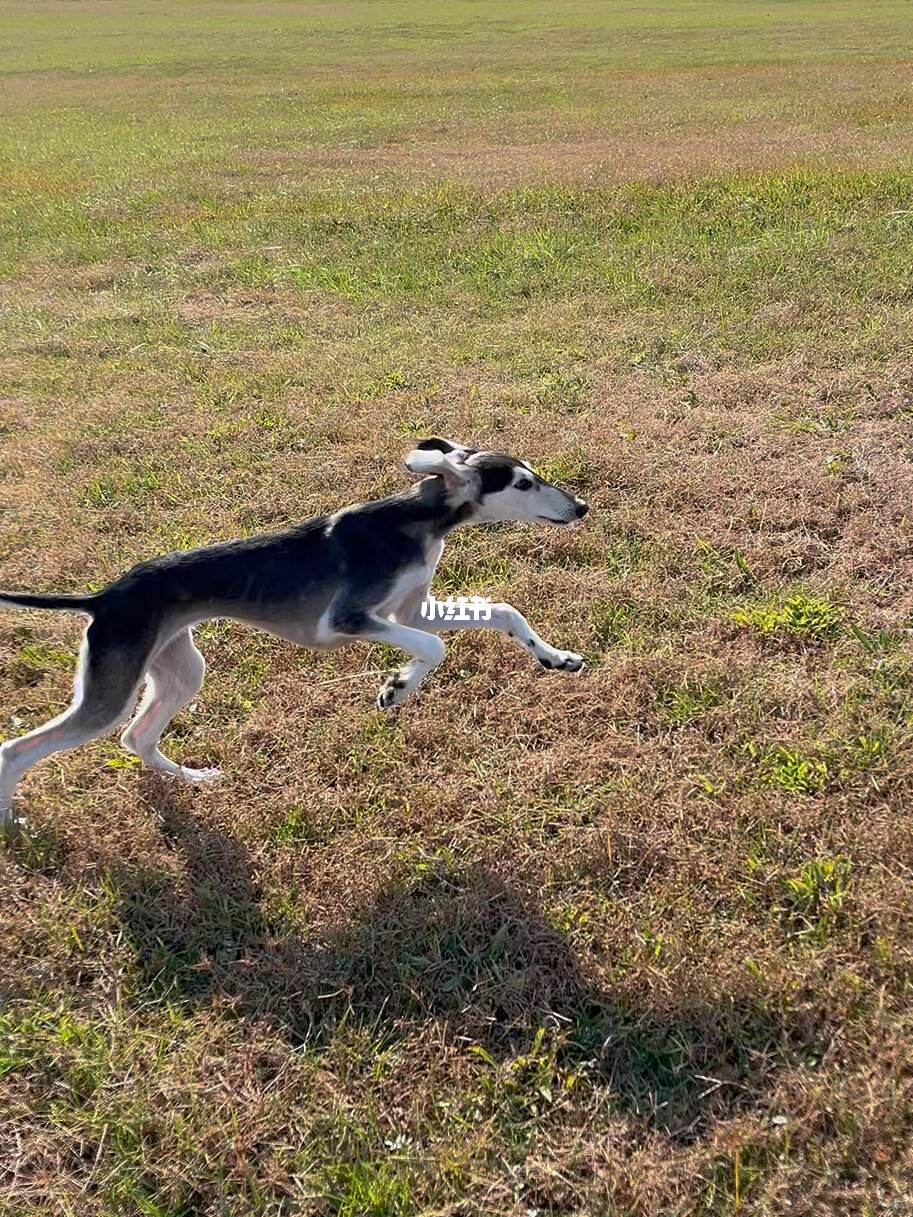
447,465
436,444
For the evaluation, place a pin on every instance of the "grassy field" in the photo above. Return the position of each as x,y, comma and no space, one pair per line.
631,945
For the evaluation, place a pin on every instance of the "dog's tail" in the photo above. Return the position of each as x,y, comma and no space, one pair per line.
66,604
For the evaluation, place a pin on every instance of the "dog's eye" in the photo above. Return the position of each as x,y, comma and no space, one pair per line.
523,484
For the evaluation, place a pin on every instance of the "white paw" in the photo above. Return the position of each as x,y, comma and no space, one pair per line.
393,692
562,661
200,775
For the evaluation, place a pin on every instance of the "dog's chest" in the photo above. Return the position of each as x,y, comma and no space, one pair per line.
415,577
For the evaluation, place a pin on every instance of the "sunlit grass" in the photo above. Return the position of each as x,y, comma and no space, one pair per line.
635,943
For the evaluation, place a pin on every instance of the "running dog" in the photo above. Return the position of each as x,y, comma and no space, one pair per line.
360,574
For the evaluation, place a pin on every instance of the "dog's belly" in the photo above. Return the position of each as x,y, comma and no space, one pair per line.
303,632
297,622
294,621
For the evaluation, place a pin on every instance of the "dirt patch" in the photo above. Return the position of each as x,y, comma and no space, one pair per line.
648,156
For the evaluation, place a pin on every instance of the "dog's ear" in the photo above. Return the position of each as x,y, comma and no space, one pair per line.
436,444
448,464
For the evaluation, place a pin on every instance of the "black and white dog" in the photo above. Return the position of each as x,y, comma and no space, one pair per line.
363,573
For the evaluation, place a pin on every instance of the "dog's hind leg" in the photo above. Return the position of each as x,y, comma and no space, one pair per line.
107,678
174,678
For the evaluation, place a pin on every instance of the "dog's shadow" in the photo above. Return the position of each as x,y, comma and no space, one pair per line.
455,944
460,947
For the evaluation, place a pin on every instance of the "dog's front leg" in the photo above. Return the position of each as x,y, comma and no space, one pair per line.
426,650
506,620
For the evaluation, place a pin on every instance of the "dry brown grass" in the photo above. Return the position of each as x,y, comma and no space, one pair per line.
539,930
655,127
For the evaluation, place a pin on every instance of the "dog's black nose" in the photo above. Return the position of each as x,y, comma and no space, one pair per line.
582,508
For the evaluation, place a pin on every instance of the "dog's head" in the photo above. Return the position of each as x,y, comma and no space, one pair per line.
494,485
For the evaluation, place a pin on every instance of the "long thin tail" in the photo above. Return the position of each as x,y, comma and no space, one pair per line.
67,604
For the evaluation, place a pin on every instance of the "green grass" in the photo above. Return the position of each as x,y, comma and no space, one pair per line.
802,616
631,944
814,899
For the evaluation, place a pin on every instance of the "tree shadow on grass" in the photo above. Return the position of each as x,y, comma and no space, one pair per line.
459,946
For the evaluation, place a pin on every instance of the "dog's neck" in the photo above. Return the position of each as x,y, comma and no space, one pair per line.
438,511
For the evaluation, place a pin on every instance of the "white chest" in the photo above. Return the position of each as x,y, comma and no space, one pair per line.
411,587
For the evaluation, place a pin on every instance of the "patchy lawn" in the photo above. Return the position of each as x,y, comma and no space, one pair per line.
632,944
